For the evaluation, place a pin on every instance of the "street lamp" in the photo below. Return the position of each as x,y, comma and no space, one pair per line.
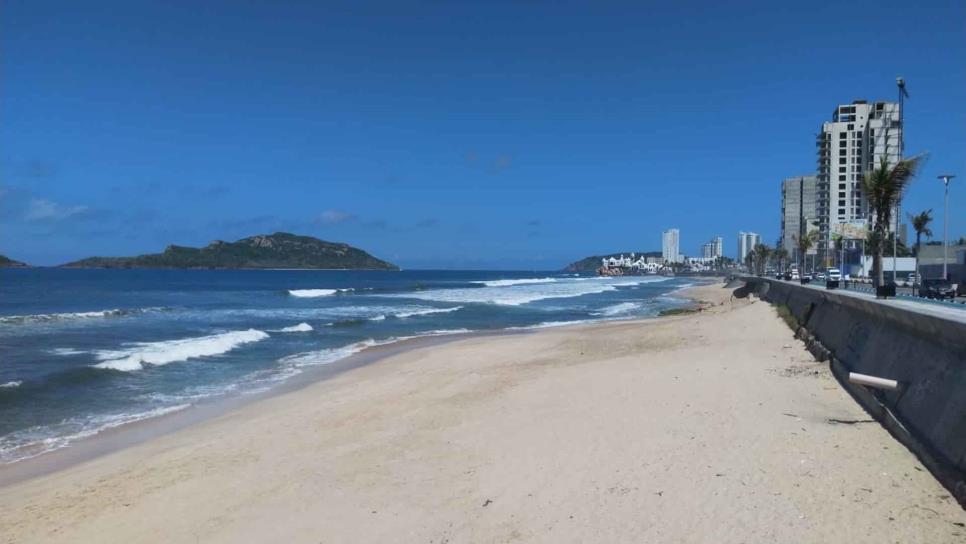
945,178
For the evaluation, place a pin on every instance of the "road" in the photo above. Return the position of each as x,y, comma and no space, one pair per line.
954,310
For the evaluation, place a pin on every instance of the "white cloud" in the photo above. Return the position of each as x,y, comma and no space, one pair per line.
41,209
331,217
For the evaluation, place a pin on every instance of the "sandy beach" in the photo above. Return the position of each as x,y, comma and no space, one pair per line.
716,426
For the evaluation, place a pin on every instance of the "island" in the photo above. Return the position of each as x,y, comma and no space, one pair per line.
590,264
6,262
279,250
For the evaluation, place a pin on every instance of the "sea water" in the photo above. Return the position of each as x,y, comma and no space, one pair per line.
82,351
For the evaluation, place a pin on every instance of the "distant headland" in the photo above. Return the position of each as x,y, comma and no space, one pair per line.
279,250
6,262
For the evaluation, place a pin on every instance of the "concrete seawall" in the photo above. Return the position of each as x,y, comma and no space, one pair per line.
925,353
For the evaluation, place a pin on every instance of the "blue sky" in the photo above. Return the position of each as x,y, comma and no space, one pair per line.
495,135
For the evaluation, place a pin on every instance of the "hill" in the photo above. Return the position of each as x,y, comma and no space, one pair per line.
279,250
590,264
10,263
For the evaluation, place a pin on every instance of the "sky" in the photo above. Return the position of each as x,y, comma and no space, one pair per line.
487,135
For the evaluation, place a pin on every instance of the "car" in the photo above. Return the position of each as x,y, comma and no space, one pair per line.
938,289
778,275
834,274
794,276
820,276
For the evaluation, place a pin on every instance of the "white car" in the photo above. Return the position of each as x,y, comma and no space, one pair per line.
834,274
795,276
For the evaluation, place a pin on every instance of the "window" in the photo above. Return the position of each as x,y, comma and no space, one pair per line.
842,161
842,143
842,203
841,152
843,135
841,194
842,169
851,126
841,186
841,178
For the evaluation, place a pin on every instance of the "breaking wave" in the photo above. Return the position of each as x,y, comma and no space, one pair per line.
171,351
312,293
301,327
507,283
427,311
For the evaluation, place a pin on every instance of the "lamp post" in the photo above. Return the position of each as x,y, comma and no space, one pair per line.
946,178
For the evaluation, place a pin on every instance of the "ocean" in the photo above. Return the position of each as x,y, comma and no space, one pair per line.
82,351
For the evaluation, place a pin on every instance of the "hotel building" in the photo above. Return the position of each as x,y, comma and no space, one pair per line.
857,138
746,241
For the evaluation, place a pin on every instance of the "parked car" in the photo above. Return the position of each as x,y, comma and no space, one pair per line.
938,289
794,276
820,276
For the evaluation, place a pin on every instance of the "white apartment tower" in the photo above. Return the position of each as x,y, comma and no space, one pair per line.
713,248
670,243
857,138
746,241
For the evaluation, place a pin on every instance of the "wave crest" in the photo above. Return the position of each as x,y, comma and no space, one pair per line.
171,351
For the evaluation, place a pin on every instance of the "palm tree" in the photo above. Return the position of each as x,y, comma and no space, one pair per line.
883,189
760,253
780,255
837,241
920,224
804,244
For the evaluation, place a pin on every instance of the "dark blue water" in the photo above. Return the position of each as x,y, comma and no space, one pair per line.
86,350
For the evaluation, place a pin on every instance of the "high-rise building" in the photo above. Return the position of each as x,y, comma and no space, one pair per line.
746,241
670,243
712,249
799,211
855,141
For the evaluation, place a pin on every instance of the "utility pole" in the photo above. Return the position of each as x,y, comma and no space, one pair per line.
901,84
946,178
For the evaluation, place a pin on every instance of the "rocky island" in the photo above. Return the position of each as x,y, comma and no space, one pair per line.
279,250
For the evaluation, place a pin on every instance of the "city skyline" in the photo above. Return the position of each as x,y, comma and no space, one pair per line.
405,143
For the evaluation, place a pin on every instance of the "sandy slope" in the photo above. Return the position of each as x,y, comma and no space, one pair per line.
704,428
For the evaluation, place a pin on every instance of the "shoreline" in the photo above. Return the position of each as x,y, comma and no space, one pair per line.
114,439
617,431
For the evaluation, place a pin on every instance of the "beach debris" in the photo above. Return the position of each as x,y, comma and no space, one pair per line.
487,503
873,381
833,421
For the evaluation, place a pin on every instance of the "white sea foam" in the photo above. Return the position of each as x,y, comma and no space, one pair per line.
443,332
507,283
11,384
301,327
312,293
325,356
66,352
426,311
34,441
551,324
170,351
513,295
380,317
619,309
